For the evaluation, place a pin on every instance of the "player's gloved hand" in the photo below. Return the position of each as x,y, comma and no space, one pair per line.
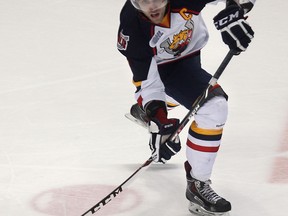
161,128
235,30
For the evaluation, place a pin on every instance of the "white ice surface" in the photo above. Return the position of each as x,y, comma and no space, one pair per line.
64,141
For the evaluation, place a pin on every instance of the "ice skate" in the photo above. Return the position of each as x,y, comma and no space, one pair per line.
137,115
203,199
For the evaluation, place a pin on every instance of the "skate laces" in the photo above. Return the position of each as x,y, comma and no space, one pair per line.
207,192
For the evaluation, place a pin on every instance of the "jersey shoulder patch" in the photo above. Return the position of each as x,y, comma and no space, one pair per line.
122,42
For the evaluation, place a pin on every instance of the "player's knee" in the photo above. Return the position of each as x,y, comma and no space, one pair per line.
213,114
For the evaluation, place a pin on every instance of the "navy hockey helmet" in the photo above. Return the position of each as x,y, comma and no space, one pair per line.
143,4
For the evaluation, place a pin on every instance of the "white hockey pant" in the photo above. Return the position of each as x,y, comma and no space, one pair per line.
204,137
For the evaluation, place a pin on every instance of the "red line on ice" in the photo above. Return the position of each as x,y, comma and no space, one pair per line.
280,165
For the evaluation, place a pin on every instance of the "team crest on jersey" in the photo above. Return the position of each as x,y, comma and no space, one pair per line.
179,41
122,43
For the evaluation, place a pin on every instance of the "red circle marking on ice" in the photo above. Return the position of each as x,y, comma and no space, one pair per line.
75,200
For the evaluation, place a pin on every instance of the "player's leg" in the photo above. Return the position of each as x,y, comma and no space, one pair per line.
185,83
203,143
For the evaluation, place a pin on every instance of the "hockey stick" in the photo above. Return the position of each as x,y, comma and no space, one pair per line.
195,107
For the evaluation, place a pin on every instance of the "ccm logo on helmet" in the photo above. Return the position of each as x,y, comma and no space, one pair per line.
226,20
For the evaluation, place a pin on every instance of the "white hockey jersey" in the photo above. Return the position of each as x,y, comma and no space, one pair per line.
146,45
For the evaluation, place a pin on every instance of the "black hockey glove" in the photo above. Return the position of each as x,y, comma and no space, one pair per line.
235,31
161,128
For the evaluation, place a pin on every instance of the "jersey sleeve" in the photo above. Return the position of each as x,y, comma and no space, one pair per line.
133,43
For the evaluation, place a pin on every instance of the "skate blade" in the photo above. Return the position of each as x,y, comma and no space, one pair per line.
199,210
133,119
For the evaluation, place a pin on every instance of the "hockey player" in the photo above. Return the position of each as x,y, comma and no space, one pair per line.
161,40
